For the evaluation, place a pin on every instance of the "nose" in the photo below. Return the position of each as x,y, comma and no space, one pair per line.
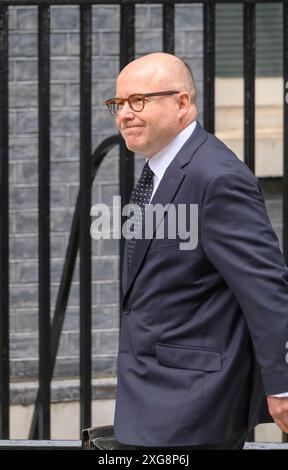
125,113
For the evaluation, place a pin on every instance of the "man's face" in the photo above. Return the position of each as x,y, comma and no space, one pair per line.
148,131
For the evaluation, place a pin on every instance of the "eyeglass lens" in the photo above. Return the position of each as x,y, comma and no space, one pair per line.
136,103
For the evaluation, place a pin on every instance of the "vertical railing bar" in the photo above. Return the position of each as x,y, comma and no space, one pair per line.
4,226
285,133
168,27
249,95
126,161
44,220
209,66
127,53
249,83
84,223
285,144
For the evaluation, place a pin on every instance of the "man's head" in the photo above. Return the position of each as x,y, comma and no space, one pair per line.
163,117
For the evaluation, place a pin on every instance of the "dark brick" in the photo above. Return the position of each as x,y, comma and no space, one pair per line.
147,42
104,269
23,296
105,17
58,44
188,17
24,96
26,70
64,171
23,148
27,18
65,17
106,343
24,321
65,69
23,45
23,346
27,122
108,292
109,43
25,272
23,197
103,316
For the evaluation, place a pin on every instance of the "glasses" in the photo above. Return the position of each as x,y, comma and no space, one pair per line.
136,101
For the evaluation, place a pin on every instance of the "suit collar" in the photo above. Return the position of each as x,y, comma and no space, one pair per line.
191,145
161,160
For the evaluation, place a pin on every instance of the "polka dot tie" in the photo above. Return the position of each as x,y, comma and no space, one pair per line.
140,195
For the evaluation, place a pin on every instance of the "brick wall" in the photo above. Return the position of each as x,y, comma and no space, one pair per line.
65,168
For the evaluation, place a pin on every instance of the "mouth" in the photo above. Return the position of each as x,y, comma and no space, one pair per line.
129,127
131,131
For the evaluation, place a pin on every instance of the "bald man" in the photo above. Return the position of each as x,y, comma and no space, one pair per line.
204,335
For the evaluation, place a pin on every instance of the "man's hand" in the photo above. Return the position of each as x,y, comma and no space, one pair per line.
278,409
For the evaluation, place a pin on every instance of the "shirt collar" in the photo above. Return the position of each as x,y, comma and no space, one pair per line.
161,160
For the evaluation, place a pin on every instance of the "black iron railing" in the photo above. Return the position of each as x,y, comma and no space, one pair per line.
49,335
66,281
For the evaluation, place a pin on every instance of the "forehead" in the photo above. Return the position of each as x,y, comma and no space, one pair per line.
129,85
142,80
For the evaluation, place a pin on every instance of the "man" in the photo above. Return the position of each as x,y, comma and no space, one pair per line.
204,333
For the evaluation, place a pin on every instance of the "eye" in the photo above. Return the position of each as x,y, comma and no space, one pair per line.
137,99
119,104
137,102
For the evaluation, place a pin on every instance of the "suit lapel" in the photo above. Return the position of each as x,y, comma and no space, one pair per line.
164,194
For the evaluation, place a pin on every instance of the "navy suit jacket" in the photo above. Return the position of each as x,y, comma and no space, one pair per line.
204,332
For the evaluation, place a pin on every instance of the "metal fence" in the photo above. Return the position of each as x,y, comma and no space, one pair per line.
49,334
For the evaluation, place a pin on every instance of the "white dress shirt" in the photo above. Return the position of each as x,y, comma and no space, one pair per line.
160,162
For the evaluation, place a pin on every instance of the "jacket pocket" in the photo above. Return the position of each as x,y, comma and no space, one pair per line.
186,357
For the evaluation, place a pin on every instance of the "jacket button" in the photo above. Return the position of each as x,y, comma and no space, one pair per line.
126,311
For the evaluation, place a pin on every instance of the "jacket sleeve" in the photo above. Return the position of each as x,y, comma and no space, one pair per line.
239,241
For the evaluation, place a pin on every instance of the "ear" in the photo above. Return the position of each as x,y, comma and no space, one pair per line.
184,103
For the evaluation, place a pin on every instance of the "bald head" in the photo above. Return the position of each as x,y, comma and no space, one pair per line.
164,69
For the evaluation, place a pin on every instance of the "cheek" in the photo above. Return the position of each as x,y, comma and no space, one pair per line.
159,127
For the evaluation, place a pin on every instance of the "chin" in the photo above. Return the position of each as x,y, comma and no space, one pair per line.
134,148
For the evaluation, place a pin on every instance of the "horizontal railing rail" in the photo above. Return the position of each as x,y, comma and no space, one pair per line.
131,2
